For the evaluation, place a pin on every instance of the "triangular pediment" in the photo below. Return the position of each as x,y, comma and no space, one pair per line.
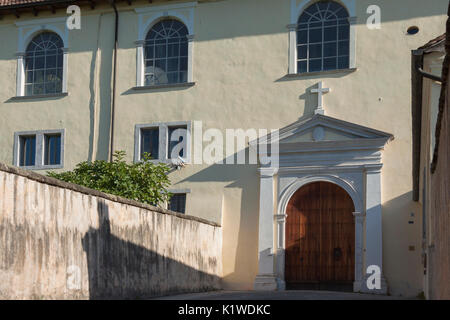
323,129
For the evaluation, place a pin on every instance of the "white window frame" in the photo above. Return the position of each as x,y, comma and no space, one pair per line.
40,142
296,11
163,140
147,18
27,30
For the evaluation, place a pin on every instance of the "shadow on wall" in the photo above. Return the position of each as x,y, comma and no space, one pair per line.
123,270
402,260
240,225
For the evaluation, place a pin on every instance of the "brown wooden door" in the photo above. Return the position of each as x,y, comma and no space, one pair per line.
320,236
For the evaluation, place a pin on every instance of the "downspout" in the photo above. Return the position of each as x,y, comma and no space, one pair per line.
416,112
113,98
417,94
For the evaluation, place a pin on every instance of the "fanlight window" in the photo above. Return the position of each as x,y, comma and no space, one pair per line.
323,38
166,53
44,64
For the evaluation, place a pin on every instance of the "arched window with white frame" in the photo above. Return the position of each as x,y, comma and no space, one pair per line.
166,53
323,38
44,60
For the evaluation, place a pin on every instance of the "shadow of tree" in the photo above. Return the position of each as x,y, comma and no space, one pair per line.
120,269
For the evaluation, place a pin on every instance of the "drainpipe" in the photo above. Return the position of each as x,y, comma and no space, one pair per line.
113,98
429,75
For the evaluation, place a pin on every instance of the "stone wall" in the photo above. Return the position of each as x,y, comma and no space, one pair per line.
440,202
63,241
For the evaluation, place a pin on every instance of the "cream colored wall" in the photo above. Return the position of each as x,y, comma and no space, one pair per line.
240,67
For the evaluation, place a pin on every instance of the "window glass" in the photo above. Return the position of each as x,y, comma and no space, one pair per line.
52,149
323,34
44,64
27,151
177,142
178,203
166,51
150,142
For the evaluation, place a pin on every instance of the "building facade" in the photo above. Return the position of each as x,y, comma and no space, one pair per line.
430,173
335,85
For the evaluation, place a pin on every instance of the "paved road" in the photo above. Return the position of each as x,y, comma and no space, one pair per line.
277,295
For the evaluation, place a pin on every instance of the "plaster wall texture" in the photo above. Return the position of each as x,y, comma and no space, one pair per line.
63,241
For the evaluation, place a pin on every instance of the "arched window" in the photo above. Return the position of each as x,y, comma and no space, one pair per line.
166,53
44,64
323,35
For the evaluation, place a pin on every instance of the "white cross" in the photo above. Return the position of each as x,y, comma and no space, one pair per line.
320,91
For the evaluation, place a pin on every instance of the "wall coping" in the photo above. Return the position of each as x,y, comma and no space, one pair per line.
91,192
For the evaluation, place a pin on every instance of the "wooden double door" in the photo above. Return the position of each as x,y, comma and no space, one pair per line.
320,238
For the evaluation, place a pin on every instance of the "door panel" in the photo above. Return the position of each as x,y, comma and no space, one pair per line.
320,235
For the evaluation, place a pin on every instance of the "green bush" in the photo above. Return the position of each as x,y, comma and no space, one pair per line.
143,181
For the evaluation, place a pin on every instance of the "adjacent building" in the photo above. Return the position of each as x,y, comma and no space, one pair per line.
431,174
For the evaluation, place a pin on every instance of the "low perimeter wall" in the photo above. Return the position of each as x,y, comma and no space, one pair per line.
63,241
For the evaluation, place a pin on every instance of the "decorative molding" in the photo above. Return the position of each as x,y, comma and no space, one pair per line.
27,30
267,172
301,76
367,136
359,216
166,7
163,86
280,217
41,96
352,20
289,191
296,10
348,164
292,27
175,191
40,21
148,17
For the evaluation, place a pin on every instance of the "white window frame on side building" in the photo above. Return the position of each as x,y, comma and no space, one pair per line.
147,18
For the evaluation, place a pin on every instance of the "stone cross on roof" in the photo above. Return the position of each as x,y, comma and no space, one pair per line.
320,91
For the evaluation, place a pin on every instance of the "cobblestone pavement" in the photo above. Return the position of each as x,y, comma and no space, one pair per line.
278,295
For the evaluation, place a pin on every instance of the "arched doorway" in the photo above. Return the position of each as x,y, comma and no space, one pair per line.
320,238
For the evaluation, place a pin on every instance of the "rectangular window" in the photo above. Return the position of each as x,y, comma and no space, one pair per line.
165,141
52,149
177,142
178,203
27,151
150,142
39,149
